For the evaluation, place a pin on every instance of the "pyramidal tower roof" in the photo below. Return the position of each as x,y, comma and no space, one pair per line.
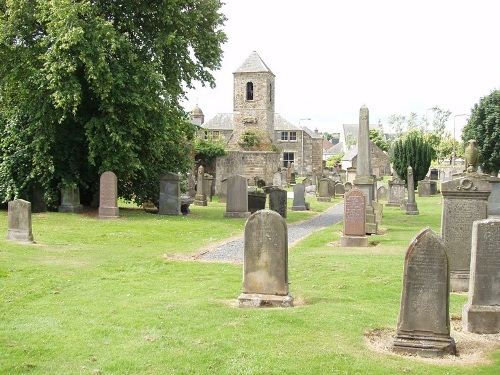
253,64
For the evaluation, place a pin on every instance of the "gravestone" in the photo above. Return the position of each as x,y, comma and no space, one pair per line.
494,198
339,190
70,200
108,196
277,179
19,217
354,220
223,191
331,187
310,191
256,201
237,197
382,193
411,204
200,199
351,174
424,188
396,192
343,176
170,194
284,176
299,199
378,209
323,191
433,187
465,200
208,186
403,203
347,186
434,174
307,181
265,265
278,201
424,318
481,313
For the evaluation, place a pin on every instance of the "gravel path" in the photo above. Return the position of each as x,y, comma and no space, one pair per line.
233,250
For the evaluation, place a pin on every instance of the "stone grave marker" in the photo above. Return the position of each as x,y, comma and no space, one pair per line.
411,204
378,209
284,176
424,318
70,200
347,186
208,186
339,190
19,218
324,191
396,192
481,313
465,200
424,188
331,187
278,201
277,179
170,194
299,199
354,220
265,266
382,193
108,196
200,199
237,197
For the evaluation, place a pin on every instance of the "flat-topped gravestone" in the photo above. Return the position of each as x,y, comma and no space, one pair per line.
265,267
299,198
277,179
354,220
396,192
465,200
70,200
339,190
424,188
278,201
411,204
237,197
378,210
481,314
19,217
170,194
424,318
200,199
324,191
108,196
208,186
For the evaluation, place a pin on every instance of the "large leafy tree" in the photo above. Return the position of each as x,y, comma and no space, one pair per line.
92,85
412,150
484,127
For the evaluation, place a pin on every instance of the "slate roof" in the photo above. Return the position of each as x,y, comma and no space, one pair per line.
221,121
253,64
335,149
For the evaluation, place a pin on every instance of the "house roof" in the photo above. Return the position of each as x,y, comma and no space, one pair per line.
335,149
351,154
221,121
327,144
253,64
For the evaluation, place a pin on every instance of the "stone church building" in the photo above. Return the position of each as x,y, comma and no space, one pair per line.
259,141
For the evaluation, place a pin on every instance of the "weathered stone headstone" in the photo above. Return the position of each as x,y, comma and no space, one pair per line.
256,201
481,314
465,200
70,200
310,191
265,267
223,191
324,191
208,186
108,196
237,197
284,177
200,199
339,190
170,194
348,186
354,220
424,188
494,198
278,201
299,199
378,210
351,174
19,217
411,204
396,192
424,318
382,193
277,179
331,187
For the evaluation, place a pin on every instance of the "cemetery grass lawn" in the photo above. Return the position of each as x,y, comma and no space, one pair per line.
99,297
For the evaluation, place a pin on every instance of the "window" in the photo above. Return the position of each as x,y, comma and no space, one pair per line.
249,91
293,136
271,92
215,134
288,157
212,134
284,136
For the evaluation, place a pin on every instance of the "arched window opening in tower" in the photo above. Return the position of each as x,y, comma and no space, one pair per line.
249,91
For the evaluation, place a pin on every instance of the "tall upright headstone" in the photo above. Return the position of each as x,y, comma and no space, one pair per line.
265,267
170,194
200,199
424,317
465,200
237,197
354,220
278,201
70,200
364,178
411,204
108,196
396,192
481,313
324,191
299,198
19,217
208,186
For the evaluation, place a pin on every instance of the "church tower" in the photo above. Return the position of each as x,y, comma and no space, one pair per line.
253,105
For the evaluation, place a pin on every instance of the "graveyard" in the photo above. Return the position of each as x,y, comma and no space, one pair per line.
133,295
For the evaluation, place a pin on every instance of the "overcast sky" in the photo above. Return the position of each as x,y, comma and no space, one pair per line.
330,57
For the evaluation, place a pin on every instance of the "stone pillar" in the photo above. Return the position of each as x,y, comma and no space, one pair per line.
481,314
170,194
265,265
354,220
200,199
19,217
70,200
108,196
465,200
411,204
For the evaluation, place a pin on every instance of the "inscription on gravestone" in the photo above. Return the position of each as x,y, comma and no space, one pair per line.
19,217
108,196
354,219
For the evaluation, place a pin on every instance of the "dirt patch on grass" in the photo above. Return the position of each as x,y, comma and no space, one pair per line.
473,349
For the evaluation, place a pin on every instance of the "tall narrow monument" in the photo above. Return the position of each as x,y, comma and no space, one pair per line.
364,180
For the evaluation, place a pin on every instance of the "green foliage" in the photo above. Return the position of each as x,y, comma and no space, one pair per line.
334,160
249,139
412,150
377,137
91,86
209,149
484,127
